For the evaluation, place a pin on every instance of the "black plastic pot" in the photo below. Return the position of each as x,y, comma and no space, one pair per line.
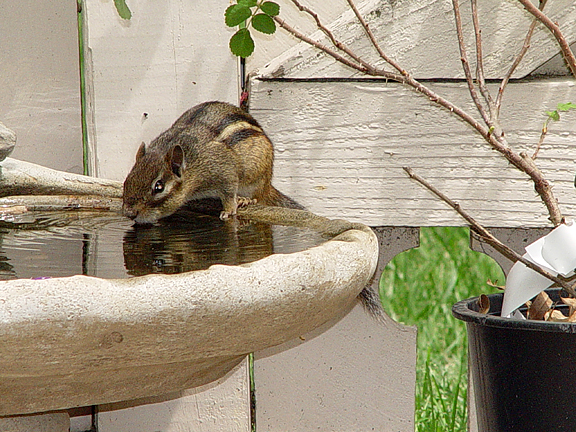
524,372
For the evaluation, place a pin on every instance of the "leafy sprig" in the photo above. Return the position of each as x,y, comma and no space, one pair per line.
561,107
552,116
250,13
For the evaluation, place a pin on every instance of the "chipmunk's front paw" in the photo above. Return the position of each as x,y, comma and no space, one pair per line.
225,215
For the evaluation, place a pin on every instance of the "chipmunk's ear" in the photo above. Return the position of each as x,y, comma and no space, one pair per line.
177,160
141,151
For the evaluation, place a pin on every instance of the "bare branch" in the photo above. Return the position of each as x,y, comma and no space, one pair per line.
496,140
376,45
555,30
466,64
319,24
487,236
495,136
367,67
25,203
542,136
480,61
358,63
320,46
517,60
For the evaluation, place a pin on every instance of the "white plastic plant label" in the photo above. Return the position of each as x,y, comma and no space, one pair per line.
555,251
559,249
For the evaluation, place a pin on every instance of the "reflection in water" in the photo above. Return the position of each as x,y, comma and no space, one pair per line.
6,270
107,245
194,244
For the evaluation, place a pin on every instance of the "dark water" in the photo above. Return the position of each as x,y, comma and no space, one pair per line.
106,245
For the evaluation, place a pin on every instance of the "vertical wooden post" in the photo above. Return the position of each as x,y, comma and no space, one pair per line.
143,73
354,373
39,81
53,422
220,406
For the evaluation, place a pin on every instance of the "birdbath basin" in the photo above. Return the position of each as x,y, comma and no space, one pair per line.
83,340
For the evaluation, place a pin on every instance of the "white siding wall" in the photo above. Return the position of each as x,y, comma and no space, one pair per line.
170,56
40,81
340,148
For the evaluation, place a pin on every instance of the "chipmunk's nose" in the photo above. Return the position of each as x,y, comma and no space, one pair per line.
129,211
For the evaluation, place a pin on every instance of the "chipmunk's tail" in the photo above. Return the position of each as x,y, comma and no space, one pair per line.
368,296
371,302
278,199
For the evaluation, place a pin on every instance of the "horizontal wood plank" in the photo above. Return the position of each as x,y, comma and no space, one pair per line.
144,73
40,81
420,35
341,146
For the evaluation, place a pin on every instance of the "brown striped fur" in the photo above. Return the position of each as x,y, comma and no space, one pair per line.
214,150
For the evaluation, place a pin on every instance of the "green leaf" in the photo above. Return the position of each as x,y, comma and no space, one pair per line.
241,43
263,23
566,106
553,115
247,3
123,9
270,8
236,14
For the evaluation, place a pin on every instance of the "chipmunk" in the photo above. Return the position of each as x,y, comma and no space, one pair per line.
214,150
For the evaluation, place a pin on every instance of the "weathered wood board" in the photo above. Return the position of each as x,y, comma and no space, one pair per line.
220,406
341,146
353,374
40,81
144,73
51,422
356,377
420,35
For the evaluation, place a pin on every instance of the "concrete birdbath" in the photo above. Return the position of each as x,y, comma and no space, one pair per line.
80,340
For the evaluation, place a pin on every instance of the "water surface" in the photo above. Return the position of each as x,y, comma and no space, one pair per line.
37,245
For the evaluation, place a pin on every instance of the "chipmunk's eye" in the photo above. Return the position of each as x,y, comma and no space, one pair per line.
158,187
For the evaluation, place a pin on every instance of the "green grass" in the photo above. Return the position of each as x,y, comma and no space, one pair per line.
419,287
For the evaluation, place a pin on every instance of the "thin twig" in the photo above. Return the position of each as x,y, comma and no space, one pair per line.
358,63
369,69
487,236
480,61
319,24
542,136
556,32
375,44
466,64
320,46
517,60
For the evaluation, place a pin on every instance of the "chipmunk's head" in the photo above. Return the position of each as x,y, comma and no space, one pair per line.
153,188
